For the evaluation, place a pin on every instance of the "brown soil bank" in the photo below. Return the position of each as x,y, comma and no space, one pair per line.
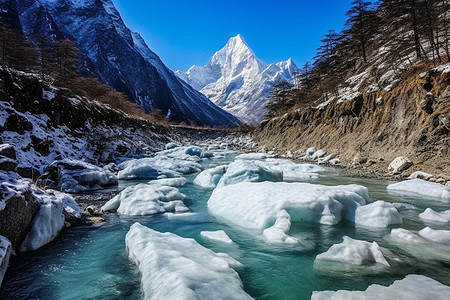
379,126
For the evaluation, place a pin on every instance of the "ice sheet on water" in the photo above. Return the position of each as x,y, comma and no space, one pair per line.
430,215
439,236
209,178
412,287
218,235
147,199
293,171
377,214
173,267
421,187
175,182
252,156
261,205
249,171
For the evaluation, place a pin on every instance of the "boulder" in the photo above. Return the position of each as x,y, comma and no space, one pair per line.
8,164
400,164
5,253
8,151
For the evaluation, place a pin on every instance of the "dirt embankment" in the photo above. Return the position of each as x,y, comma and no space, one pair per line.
379,126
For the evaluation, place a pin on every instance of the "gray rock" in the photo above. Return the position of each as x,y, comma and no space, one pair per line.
8,151
5,253
7,164
400,164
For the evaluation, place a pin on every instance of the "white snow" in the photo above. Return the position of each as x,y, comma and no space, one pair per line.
48,95
439,236
412,287
377,214
261,205
218,235
173,267
147,199
354,252
422,188
431,215
249,170
291,170
318,154
209,178
252,156
175,182
237,81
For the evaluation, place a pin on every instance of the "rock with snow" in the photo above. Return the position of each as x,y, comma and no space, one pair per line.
209,178
318,154
420,175
438,236
263,205
249,171
5,253
430,215
7,158
6,150
147,199
334,161
236,80
420,187
173,267
377,214
400,164
219,235
412,287
353,252
76,176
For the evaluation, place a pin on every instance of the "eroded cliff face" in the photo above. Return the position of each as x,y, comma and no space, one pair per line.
413,120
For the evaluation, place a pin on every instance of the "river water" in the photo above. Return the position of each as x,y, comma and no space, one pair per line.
90,262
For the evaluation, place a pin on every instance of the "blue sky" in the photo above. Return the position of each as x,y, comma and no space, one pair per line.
184,33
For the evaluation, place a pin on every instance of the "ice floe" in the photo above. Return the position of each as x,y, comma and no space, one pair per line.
431,215
209,178
439,236
291,170
173,267
261,205
147,199
377,214
218,235
421,187
249,171
412,287
252,156
175,182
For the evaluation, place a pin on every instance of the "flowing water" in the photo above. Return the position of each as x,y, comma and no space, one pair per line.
90,262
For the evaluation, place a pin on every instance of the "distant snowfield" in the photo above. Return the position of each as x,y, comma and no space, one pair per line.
239,82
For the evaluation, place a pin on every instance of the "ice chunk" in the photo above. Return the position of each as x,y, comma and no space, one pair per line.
218,235
420,175
173,267
433,216
412,287
5,253
277,234
175,182
377,214
421,187
249,171
76,176
291,170
310,151
439,236
147,199
257,205
252,156
210,178
354,252
172,146
318,154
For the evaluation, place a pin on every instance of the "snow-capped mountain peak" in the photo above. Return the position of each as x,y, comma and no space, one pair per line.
238,81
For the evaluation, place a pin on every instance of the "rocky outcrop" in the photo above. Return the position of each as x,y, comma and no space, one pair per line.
379,130
5,253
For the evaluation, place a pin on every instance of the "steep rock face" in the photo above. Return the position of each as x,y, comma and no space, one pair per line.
375,125
119,57
239,82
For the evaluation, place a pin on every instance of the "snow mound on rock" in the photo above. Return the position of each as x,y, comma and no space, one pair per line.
422,188
147,199
412,287
173,267
377,214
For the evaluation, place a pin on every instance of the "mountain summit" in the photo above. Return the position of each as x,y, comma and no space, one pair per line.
117,56
238,81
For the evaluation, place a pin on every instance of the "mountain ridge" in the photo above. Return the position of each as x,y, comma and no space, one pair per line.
238,81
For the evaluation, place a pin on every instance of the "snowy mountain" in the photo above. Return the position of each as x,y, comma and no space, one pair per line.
239,82
118,56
